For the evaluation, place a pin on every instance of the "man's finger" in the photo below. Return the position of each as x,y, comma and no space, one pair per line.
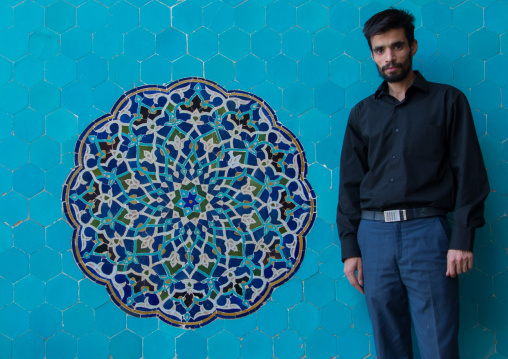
451,270
360,275
354,282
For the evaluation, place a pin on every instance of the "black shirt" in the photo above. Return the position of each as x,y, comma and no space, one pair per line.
420,152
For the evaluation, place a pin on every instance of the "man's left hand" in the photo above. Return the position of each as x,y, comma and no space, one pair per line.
458,262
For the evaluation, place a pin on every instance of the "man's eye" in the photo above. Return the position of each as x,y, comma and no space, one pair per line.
378,51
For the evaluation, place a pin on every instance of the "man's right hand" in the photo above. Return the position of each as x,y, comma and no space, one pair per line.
352,266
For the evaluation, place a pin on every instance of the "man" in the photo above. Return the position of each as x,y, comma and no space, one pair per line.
410,155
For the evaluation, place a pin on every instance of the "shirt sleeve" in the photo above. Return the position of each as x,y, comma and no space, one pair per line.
469,173
353,167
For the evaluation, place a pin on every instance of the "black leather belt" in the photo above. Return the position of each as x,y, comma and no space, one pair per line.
399,215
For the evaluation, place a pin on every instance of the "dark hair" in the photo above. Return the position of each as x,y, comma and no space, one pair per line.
387,20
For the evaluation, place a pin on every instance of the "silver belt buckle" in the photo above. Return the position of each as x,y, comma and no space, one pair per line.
394,216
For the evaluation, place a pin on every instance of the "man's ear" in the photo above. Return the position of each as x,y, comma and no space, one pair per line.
414,47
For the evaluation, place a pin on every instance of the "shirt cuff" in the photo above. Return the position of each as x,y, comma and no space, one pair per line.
350,248
462,239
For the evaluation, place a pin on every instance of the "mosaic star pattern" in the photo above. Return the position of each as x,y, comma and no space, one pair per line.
189,202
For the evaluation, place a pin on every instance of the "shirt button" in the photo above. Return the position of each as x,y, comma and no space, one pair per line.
391,180
393,156
396,130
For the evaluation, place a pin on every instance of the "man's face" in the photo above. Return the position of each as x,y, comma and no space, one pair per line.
393,55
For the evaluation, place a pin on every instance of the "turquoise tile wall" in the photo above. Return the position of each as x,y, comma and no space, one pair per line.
64,63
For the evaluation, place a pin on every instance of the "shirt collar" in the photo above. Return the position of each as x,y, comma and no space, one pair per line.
419,83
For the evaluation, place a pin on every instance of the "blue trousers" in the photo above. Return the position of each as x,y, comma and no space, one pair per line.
404,266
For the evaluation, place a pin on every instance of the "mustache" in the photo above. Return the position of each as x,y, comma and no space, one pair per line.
391,64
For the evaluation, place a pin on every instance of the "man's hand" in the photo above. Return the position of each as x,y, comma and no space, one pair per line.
459,262
351,267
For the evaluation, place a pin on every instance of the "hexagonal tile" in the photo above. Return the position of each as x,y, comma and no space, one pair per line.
76,43
312,16
191,345
28,16
60,16
78,320
289,294
494,13
44,43
61,345
13,320
5,70
266,43
14,43
321,344
142,326
60,70
28,70
224,346
483,43
62,292
187,16
13,208
139,44
45,264
6,293
61,125
155,70
314,125
5,183
336,318
44,97
492,70
187,66
436,16
288,345
6,16
234,44
328,43
359,349
272,318
427,43
256,345
453,44
313,71
328,204
57,236
92,346
70,268
297,43
485,97
492,150
218,16
250,71
280,16
15,97
344,71
344,17
319,290
281,71
152,342
107,43
109,319
92,70
249,16
491,259
29,292
467,17
219,69
28,345
28,124
92,16
328,98
304,318
77,97
123,16
468,71
478,342
352,48
171,44
321,235
269,93
105,95
298,98
44,152
155,16
203,44
438,68
28,236
498,230
240,326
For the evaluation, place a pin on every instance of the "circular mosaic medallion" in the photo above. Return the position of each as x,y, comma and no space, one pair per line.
189,202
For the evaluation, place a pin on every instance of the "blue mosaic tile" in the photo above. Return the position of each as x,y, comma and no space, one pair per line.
124,71
220,69
250,71
313,71
187,66
109,319
107,43
314,125
60,16
13,208
93,346
266,43
320,177
319,290
44,152
141,326
494,15
57,236
344,71
28,124
249,16
155,70
371,8
496,125
123,16
92,294
5,70
28,236
468,70
312,17
412,7
501,344
105,95
6,16
92,16
498,230
320,236
272,95
328,151
336,318
280,16
256,345
234,44
61,125
45,264
203,44
491,259
304,318
5,346
13,320
297,43
139,44
485,97
157,340
6,292
28,345
361,318
14,44
492,66
191,345
55,177
290,294
298,98
76,43
5,236
28,16
438,68
436,17
483,44
60,70
499,286
348,351
70,268
61,346
328,263
223,346
61,292
272,319
187,16
467,17
29,292
78,320
321,344
92,70
344,17
77,97
328,43
28,70
427,43
211,329
241,326
288,345
478,342
155,16
44,97
328,98
281,71
494,208
453,44
44,43
15,97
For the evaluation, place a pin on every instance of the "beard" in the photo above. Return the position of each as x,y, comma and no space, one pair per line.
405,69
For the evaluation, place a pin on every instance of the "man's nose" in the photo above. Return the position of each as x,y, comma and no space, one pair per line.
389,55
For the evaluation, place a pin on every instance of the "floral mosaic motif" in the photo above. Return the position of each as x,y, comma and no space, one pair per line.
189,202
